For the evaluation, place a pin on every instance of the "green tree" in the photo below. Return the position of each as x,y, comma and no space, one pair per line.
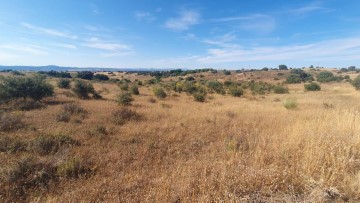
35,88
283,67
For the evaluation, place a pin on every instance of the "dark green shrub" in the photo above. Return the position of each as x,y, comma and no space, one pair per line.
278,89
312,87
200,97
356,83
159,92
50,144
260,87
86,75
236,91
134,90
63,83
283,67
326,76
125,99
293,78
101,77
124,115
226,72
215,86
35,88
82,89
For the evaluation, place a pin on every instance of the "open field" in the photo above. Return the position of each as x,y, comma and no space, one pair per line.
226,149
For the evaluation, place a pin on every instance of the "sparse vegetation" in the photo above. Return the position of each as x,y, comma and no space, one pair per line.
278,89
125,99
134,89
290,103
50,144
260,148
82,89
236,91
159,92
10,122
356,83
64,83
35,88
313,86
124,115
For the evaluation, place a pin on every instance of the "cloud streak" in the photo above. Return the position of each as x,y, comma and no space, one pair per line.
184,21
260,23
48,31
34,50
347,48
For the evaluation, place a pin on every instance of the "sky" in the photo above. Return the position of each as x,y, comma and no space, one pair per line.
231,34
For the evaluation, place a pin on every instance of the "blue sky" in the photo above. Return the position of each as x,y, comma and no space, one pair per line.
230,34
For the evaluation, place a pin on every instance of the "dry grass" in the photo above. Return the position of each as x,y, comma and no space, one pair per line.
248,149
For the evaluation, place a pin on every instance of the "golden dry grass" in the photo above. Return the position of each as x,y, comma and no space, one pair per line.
248,149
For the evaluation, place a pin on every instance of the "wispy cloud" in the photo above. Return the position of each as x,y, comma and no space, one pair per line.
31,49
99,44
347,48
144,16
254,22
225,40
312,7
68,46
48,31
184,21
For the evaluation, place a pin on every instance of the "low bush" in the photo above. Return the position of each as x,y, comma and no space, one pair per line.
63,117
312,87
10,122
82,89
199,97
124,87
236,91
159,92
124,115
125,99
50,144
278,89
326,76
86,75
63,83
101,77
68,110
290,103
11,145
74,109
356,83
24,176
73,168
134,90
26,105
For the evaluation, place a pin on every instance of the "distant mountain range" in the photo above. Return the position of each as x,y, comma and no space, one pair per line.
61,68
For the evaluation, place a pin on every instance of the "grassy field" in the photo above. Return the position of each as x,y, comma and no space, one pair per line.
227,149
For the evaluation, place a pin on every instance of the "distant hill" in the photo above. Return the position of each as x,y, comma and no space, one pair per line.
61,68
